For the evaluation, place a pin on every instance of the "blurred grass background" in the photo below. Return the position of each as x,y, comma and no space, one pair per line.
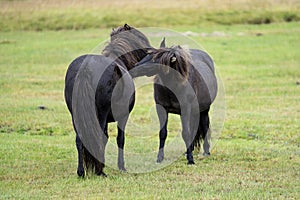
80,14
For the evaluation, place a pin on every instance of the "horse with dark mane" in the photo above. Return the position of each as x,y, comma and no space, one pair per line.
98,90
185,84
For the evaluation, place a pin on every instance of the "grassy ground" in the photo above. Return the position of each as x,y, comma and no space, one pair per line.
69,14
256,157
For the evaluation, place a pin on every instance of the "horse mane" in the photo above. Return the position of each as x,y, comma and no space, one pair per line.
127,46
175,57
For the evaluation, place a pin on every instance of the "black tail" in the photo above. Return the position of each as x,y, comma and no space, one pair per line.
203,129
91,164
198,138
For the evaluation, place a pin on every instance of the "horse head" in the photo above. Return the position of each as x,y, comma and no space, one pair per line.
128,45
119,29
159,61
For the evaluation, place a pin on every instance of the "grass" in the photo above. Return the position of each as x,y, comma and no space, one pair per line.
43,167
256,156
57,15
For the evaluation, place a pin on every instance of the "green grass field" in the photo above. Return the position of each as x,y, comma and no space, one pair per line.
257,155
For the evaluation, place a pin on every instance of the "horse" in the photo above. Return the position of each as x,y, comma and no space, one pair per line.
98,91
185,84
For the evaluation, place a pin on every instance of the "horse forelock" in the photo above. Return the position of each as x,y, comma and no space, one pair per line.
176,58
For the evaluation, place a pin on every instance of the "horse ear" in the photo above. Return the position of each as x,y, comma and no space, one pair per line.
163,43
127,27
173,59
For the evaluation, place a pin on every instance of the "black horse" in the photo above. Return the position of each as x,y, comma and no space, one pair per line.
98,90
185,84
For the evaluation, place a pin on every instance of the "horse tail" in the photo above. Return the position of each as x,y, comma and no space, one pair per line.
203,129
85,113
198,137
90,163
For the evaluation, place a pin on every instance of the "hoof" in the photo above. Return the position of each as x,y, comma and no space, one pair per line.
160,157
80,172
159,160
122,169
101,174
191,162
206,154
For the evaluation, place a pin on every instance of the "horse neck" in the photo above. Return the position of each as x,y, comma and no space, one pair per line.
121,63
126,61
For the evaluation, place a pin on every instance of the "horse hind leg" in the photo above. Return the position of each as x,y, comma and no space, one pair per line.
187,135
90,162
121,142
100,164
85,158
93,164
79,146
99,169
189,146
204,120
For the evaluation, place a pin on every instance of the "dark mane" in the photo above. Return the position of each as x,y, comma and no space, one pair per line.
127,45
175,57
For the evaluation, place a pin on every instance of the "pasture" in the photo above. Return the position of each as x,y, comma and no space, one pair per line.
257,155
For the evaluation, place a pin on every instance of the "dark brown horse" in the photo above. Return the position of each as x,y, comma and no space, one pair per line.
98,90
185,84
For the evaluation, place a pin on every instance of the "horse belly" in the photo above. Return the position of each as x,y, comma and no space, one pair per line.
174,110
169,103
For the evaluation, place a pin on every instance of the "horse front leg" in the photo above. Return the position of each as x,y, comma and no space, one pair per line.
163,121
121,142
187,135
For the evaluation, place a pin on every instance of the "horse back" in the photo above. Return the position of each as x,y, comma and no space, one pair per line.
202,78
199,55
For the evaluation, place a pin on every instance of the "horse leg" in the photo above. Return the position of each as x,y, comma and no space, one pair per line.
79,146
103,138
120,142
186,134
204,120
163,121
